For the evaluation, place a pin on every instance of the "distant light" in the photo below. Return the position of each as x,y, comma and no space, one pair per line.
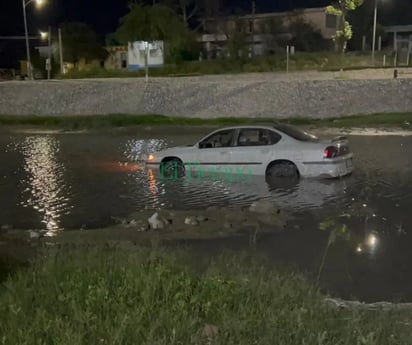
372,240
359,249
40,3
150,158
44,35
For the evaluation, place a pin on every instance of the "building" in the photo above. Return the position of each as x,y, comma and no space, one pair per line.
128,57
261,28
117,58
401,36
137,53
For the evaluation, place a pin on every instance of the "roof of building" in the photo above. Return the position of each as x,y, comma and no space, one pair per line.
267,14
398,28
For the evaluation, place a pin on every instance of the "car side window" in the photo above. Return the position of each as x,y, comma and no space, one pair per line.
220,139
257,137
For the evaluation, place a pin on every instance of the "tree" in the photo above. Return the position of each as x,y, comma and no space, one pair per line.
305,36
156,22
273,27
237,43
80,42
112,40
187,9
211,8
343,34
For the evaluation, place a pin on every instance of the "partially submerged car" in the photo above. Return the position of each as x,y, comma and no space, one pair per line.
280,150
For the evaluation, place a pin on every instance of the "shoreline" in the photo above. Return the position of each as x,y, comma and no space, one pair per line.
134,232
364,124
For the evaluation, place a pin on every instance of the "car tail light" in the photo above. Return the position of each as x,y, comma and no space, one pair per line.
331,152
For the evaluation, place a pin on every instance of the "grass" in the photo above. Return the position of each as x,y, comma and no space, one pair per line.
395,120
151,296
321,61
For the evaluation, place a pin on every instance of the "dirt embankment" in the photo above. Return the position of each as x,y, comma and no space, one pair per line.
310,94
154,227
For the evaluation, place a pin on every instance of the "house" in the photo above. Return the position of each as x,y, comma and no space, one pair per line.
137,54
260,29
117,58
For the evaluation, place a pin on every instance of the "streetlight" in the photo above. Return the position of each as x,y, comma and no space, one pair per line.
46,35
25,3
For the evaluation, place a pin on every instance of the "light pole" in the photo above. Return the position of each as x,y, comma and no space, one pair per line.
49,56
44,36
25,3
375,15
61,52
146,50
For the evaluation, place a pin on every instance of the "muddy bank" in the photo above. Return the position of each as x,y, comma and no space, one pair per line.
154,227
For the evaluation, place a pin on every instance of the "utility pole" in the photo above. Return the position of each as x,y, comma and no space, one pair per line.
49,59
29,74
375,14
252,28
61,51
146,46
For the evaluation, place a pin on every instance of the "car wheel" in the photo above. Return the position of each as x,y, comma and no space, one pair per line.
282,169
172,168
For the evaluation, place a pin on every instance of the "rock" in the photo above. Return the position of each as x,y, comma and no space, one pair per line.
191,221
6,227
156,222
34,235
262,207
118,220
210,331
143,228
202,219
227,225
166,217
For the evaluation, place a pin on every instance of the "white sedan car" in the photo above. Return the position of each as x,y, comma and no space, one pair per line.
274,151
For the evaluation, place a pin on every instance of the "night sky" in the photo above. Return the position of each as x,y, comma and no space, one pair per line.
103,15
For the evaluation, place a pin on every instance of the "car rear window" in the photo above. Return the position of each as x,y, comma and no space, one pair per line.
296,133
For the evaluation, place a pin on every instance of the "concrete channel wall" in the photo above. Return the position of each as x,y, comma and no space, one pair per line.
213,96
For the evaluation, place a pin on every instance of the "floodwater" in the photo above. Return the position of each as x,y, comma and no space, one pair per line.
58,182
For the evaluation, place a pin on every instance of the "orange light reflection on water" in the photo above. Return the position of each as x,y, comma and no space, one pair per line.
118,166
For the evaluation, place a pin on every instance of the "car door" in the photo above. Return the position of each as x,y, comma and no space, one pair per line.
213,153
253,149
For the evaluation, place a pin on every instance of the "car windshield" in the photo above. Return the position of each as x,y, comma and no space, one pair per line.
296,133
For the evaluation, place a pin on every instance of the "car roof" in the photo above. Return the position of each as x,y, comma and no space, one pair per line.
247,126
